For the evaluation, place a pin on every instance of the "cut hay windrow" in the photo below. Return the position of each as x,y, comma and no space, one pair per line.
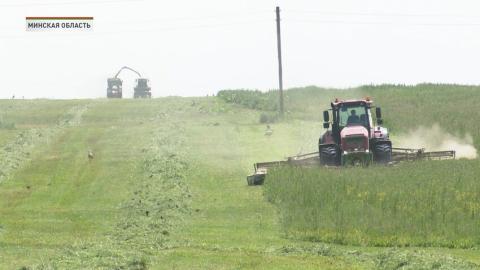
152,214
160,198
18,152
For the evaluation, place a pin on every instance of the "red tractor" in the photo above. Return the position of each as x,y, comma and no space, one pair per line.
354,138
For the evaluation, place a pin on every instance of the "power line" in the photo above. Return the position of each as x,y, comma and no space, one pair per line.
383,23
382,14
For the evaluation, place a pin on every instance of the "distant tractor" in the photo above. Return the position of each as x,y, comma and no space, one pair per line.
114,88
354,138
142,89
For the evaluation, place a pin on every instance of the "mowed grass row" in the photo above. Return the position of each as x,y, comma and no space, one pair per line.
21,115
60,199
414,204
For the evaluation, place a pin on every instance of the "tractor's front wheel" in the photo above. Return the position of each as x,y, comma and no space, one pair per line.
383,153
329,155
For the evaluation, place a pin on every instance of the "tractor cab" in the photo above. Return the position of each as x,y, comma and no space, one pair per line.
353,115
142,82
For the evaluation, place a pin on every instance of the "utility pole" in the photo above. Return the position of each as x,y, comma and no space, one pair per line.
280,75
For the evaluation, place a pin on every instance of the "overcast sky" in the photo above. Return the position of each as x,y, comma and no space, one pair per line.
195,48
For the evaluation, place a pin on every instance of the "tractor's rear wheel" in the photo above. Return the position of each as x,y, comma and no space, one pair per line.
383,153
329,155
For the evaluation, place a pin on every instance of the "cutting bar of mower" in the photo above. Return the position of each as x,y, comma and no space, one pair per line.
312,159
261,168
408,154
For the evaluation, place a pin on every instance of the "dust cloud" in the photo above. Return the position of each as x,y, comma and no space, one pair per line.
436,139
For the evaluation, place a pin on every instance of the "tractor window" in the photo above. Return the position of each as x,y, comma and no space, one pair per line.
352,115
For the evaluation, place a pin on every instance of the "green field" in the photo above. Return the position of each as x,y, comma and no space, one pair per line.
166,188
433,203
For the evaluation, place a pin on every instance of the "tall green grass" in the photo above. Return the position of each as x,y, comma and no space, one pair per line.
453,107
252,99
415,204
